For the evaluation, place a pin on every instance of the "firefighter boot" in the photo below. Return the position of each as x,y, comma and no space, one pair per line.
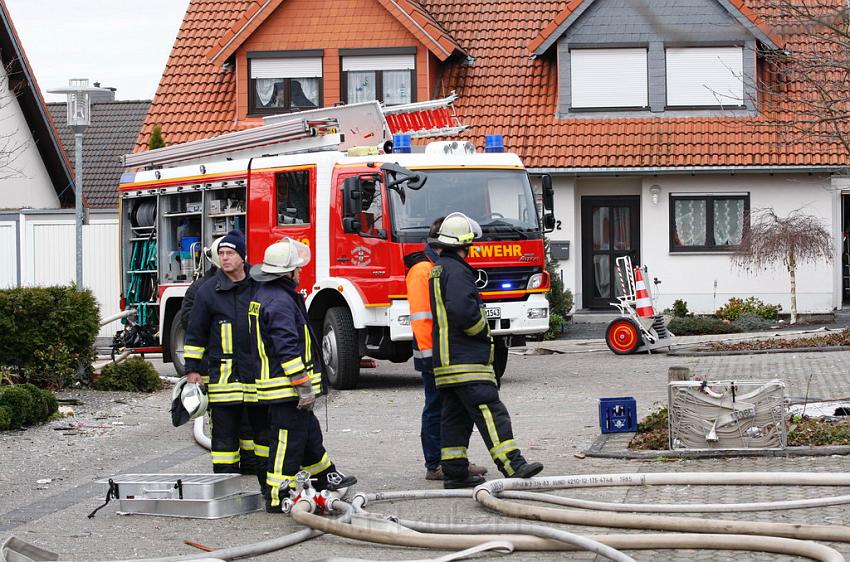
470,481
528,470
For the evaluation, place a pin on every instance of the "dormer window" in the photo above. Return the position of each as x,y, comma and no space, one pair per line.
705,77
608,79
285,81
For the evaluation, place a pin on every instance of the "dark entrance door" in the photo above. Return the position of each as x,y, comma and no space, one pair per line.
610,228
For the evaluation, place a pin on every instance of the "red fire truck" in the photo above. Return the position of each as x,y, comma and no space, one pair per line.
360,209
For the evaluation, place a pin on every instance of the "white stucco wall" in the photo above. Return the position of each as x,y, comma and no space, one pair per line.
24,181
692,277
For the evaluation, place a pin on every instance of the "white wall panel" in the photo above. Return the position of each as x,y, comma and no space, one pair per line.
51,258
48,258
8,254
101,269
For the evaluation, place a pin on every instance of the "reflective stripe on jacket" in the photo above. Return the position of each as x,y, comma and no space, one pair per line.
281,344
463,347
419,301
217,338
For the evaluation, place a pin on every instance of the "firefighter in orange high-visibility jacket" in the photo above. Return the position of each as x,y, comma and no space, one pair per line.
218,335
286,356
422,324
463,364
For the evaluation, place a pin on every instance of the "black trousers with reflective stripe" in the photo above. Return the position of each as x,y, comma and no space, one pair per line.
227,424
478,404
247,460
301,446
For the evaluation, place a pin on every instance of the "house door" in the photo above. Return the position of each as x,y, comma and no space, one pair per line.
610,228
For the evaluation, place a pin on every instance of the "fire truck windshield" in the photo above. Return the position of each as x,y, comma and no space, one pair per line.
500,200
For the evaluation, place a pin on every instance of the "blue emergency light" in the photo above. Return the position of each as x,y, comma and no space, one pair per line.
401,144
506,285
494,143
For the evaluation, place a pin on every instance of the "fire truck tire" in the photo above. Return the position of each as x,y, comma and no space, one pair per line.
500,356
340,349
176,338
622,336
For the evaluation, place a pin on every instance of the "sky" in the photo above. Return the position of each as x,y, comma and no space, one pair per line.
122,44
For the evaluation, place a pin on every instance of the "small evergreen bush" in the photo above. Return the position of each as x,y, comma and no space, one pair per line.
20,404
133,375
680,309
40,407
699,325
46,332
25,404
736,308
5,418
749,322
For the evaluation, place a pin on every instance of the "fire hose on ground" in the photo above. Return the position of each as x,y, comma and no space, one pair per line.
354,522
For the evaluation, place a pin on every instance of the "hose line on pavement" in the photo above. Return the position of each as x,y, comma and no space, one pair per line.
457,540
486,494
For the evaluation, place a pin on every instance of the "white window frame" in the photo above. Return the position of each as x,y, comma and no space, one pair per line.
705,76
609,78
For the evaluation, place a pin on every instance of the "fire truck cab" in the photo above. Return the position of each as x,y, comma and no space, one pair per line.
360,215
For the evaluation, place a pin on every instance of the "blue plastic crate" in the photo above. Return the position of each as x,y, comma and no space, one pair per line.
618,415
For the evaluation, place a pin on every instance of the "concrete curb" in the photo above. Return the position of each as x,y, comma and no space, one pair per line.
685,353
618,451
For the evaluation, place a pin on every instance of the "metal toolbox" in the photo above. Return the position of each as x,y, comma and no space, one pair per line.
176,486
228,506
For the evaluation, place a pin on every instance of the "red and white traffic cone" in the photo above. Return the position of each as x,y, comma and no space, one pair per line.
643,302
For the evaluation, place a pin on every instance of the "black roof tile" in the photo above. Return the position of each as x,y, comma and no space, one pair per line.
114,128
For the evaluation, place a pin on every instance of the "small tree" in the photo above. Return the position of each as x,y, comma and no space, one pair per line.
156,140
771,239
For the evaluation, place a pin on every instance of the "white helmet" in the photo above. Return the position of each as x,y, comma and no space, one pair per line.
281,257
457,231
211,252
188,402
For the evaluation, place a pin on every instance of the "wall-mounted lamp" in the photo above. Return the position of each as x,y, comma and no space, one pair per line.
654,194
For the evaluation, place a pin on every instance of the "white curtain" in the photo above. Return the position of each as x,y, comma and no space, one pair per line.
361,87
265,90
309,87
397,87
690,215
728,222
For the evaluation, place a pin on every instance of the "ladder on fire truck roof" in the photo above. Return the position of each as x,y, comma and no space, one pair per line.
329,128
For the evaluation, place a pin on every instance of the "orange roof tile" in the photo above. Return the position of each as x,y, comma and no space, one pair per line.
504,91
410,13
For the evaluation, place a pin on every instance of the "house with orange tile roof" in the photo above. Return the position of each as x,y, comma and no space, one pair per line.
646,113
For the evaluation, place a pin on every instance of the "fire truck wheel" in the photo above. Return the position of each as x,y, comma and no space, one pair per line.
622,336
176,337
500,356
339,349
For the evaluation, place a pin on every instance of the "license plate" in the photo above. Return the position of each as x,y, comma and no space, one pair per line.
494,312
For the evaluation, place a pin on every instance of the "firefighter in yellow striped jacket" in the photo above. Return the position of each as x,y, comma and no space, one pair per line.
463,364
290,375
218,333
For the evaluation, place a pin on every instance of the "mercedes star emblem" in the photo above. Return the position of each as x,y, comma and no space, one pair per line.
482,279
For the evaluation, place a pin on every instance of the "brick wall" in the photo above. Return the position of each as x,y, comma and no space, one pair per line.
330,26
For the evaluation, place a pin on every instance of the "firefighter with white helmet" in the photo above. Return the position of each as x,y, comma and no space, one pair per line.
218,335
289,374
463,363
